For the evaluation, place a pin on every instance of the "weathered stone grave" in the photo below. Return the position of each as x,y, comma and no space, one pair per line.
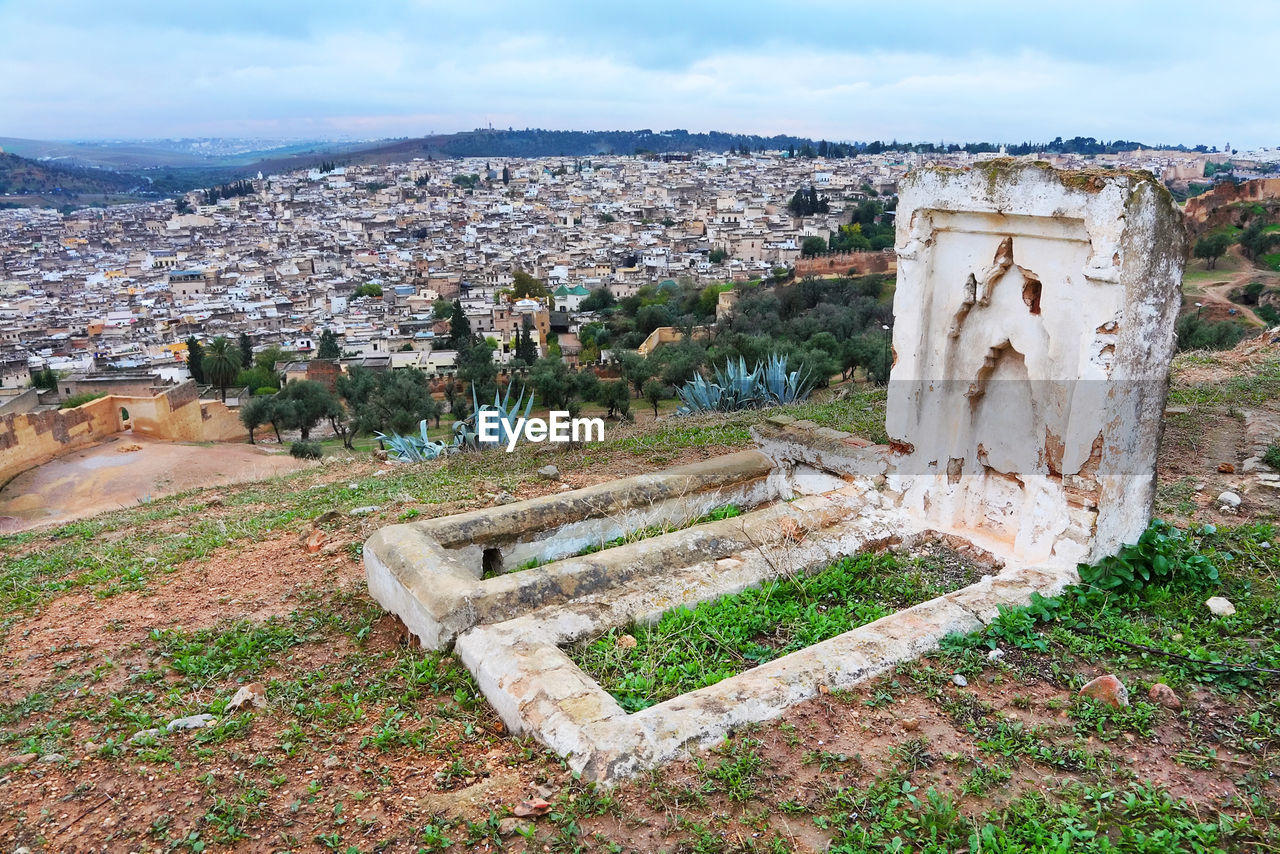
1033,333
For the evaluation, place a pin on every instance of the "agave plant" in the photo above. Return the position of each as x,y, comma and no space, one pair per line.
736,388
466,434
413,449
783,387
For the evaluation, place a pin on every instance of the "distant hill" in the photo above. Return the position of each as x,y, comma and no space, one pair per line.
23,177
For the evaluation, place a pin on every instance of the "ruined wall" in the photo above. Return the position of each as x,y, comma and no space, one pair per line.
31,438
1214,209
1033,334
176,415
839,264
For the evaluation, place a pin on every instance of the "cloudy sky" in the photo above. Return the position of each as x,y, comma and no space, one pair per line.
1189,72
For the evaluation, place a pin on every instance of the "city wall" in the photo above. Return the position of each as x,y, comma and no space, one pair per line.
840,263
30,439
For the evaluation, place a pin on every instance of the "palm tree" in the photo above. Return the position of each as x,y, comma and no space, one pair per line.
221,364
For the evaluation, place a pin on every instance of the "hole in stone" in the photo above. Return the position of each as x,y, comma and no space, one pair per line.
1031,293
491,563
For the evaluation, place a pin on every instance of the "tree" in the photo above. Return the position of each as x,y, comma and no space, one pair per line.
1211,247
46,379
526,346
654,392
526,286
442,309
598,300
303,403
813,246
182,206
615,397
506,176
717,256
475,366
1255,240
195,360
329,348
221,364
396,401
459,327
246,350
255,412
371,289
551,379
635,369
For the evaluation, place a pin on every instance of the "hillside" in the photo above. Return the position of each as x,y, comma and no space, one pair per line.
18,175
116,625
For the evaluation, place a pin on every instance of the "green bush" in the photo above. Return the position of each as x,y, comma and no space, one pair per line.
306,450
80,399
1272,456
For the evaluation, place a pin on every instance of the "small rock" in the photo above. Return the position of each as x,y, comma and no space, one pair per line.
191,722
959,681
531,807
1264,545
329,517
1109,689
549,473
380,473
332,761
510,826
1165,696
379,454
144,735
365,511
253,694
21,759
315,541
214,501
625,642
353,485
1226,468
1229,500
1220,607
911,724
504,498
50,758
995,655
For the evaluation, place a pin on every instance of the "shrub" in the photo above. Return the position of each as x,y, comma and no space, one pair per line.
80,399
306,450
1271,457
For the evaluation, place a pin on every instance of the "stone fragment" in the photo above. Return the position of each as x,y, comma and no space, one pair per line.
504,497
214,500
144,735
379,454
510,826
367,510
1163,695
191,722
1226,468
1228,500
549,473
995,655
328,517
531,807
50,758
625,642
254,694
959,681
331,761
1107,689
911,724
21,759
315,541
1220,607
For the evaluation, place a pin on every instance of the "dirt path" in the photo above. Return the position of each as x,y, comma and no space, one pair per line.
124,471
1219,304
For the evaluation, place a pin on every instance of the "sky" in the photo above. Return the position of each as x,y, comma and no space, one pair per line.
963,70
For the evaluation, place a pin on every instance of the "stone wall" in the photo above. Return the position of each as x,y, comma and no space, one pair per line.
1214,209
1033,333
30,439
839,264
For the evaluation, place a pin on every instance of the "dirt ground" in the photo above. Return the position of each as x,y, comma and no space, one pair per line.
323,767
127,470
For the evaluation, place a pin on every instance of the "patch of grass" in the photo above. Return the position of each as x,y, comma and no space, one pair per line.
691,648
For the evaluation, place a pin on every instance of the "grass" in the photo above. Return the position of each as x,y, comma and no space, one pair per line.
692,648
1271,457
728,511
